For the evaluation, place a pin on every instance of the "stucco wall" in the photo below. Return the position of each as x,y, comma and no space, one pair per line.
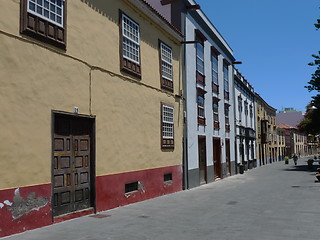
195,130
36,79
128,126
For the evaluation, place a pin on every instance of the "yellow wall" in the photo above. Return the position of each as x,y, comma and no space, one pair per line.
263,111
36,79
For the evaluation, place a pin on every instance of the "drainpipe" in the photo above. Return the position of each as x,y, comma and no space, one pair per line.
185,119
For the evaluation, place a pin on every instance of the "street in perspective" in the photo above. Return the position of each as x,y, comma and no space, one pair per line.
159,119
273,202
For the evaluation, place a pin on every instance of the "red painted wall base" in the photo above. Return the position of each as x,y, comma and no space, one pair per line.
27,208
16,217
111,188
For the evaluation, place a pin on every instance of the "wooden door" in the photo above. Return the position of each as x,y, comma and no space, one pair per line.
71,164
217,158
202,159
228,161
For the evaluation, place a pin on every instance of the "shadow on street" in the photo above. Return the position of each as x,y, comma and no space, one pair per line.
304,168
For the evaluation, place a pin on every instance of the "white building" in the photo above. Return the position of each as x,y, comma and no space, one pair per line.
208,93
245,123
209,150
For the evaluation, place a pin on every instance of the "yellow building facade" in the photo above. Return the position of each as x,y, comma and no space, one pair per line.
266,134
91,108
281,143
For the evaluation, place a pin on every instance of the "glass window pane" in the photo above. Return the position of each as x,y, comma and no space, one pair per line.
39,10
52,8
46,13
52,16
46,4
32,6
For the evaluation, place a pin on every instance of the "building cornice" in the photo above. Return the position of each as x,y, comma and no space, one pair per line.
156,17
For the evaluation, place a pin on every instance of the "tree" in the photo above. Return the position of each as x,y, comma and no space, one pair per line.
311,122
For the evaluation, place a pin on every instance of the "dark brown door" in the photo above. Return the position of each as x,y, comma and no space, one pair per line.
71,164
202,160
228,161
217,157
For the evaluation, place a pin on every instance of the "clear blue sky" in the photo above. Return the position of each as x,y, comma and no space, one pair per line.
274,39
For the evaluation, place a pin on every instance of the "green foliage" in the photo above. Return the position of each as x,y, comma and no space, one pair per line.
311,122
317,25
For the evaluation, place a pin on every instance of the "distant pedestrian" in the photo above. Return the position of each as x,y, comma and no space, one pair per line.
295,159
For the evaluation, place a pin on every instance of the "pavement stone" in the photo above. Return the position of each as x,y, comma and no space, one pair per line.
271,202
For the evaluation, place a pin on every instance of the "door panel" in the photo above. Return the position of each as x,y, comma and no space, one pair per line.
228,160
202,160
71,165
217,158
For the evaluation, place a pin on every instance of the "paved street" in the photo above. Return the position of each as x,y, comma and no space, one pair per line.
272,202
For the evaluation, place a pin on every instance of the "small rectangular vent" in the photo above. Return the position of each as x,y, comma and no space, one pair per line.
131,187
167,177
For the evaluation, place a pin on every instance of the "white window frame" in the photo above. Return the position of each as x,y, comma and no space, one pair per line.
131,39
167,122
41,5
166,61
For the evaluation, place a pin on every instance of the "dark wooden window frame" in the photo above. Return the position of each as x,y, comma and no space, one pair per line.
165,83
126,65
165,142
42,29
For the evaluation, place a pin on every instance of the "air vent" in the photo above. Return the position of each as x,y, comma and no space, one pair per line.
167,177
131,187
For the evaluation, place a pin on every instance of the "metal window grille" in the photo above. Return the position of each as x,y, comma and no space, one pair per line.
167,122
131,39
51,10
166,61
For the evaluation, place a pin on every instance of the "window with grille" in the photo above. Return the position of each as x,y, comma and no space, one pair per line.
130,47
131,39
44,20
226,77
214,72
167,125
200,57
215,109
51,10
246,111
200,71
166,61
251,115
214,64
200,106
226,115
166,66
